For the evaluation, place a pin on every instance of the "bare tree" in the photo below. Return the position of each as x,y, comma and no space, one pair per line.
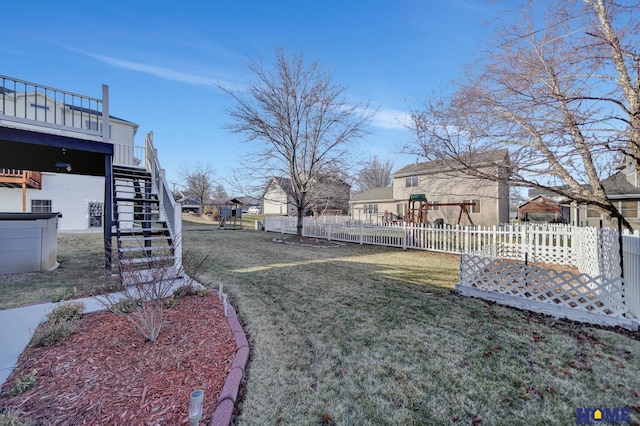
377,174
302,122
219,195
560,90
198,183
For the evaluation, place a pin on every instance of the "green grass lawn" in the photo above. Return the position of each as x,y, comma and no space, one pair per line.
368,335
371,335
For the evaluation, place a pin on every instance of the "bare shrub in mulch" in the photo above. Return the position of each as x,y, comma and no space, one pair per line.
107,373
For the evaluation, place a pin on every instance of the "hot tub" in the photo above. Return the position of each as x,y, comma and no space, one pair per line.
28,242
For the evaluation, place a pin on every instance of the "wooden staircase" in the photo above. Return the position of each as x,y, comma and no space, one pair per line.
146,250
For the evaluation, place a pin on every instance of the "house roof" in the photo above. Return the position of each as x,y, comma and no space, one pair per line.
477,160
617,186
374,194
282,182
540,204
98,113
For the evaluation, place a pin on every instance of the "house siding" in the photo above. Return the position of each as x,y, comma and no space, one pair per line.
275,202
579,216
70,196
456,187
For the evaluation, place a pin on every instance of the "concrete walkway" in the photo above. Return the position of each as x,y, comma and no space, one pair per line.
17,326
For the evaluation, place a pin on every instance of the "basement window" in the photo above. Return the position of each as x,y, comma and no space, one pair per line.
41,206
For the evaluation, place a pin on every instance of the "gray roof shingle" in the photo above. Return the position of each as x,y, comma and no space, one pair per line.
478,160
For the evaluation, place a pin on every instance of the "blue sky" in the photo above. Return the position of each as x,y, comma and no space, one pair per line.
161,59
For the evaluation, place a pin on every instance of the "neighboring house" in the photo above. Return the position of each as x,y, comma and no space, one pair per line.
78,198
248,202
544,209
278,198
372,204
623,189
189,205
445,182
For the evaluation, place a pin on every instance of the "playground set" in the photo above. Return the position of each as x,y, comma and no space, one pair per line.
418,211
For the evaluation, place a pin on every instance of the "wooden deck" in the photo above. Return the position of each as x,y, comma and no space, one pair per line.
12,178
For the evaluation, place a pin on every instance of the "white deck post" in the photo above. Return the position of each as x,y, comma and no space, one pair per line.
105,113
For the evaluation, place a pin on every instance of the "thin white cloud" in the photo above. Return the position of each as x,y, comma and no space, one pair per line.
394,119
166,73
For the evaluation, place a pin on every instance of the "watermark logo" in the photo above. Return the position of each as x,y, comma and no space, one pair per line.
589,416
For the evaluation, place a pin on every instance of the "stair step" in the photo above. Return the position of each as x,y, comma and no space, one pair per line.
139,248
146,276
157,238
141,260
130,169
137,231
136,222
137,199
124,189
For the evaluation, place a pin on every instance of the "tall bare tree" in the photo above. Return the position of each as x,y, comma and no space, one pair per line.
376,174
302,124
198,183
560,89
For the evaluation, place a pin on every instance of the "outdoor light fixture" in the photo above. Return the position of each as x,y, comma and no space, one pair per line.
195,407
63,166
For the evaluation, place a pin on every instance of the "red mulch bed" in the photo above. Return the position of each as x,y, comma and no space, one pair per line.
106,373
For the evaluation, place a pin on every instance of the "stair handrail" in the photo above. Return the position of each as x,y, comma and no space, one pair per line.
172,215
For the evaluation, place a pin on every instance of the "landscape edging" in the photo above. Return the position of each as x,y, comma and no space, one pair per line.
229,394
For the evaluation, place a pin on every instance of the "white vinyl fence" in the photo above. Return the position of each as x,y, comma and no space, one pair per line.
496,259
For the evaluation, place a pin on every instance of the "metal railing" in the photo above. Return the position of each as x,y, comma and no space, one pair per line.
30,104
169,209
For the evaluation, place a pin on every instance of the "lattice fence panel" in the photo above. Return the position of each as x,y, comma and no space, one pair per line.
559,291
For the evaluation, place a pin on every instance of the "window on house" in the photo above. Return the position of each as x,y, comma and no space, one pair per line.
475,208
411,181
95,215
95,126
593,214
430,205
41,206
401,209
370,208
629,209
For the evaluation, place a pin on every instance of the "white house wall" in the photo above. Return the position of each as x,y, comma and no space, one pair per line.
274,202
70,195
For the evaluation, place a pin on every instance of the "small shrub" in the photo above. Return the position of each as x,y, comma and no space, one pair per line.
61,322
184,291
49,334
10,418
24,383
66,312
126,305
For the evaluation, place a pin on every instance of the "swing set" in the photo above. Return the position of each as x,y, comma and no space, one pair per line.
419,206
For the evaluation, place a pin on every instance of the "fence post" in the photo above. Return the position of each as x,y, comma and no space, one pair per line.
523,242
467,239
404,236
361,233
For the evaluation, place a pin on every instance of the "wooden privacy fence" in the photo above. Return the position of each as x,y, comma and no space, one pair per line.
593,292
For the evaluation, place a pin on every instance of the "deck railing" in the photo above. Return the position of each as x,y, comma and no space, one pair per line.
30,178
26,104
